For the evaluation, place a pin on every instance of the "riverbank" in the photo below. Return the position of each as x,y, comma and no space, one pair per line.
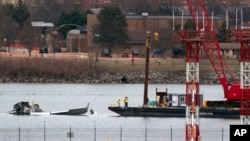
115,78
105,70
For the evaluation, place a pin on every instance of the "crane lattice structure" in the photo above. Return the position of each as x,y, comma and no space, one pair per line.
204,37
243,36
193,46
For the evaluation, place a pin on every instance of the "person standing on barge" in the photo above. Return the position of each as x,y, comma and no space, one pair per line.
126,101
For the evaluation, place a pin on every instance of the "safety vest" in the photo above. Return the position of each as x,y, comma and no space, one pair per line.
118,99
125,99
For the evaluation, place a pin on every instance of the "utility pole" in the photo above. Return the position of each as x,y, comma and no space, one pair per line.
145,100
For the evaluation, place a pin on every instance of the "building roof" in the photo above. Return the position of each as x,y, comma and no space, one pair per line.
79,30
42,24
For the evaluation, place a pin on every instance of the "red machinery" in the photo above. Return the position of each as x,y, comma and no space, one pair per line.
243,36
212,49
233,92
205,36
193,46
236,91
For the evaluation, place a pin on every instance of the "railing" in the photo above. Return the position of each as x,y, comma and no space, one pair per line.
107,134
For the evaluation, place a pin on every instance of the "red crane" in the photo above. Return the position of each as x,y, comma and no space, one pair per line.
234,92
212,49
193,46
206,37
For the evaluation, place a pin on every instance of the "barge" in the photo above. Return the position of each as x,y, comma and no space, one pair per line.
232,113
173,105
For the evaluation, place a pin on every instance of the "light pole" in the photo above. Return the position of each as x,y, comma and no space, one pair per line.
5,40
96,39
43,48
79,44
227,19
144,15
241,13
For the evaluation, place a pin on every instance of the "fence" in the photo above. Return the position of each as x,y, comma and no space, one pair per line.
107,134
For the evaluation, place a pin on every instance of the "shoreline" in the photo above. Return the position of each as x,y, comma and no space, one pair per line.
105,70
177,77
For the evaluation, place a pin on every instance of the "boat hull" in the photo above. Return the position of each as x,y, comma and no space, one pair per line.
174,112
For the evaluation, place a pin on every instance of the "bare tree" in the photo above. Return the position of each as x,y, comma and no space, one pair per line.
45,10
7,27
29,37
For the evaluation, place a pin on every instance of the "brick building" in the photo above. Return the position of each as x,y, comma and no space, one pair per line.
137,27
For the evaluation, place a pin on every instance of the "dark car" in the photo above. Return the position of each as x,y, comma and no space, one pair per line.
156,53
125,55
135,53
43,49
2,49
106,53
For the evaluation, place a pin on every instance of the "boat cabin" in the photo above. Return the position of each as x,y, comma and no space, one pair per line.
176,100
163,99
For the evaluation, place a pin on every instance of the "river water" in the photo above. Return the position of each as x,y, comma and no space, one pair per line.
57,97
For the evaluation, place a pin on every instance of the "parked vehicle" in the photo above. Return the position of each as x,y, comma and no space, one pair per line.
125,55
156,53
2,49
135,53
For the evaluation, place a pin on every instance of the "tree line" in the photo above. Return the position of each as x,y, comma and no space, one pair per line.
16,20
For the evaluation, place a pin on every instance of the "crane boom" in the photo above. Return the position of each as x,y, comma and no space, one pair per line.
211,47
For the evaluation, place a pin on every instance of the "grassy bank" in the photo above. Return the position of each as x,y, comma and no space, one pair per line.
43,68
74,69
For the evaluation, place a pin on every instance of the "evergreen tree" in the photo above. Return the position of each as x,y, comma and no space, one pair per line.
222,33
189,25
20,13
74,18
112,27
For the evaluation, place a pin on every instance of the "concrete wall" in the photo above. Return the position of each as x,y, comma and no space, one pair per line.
76,42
